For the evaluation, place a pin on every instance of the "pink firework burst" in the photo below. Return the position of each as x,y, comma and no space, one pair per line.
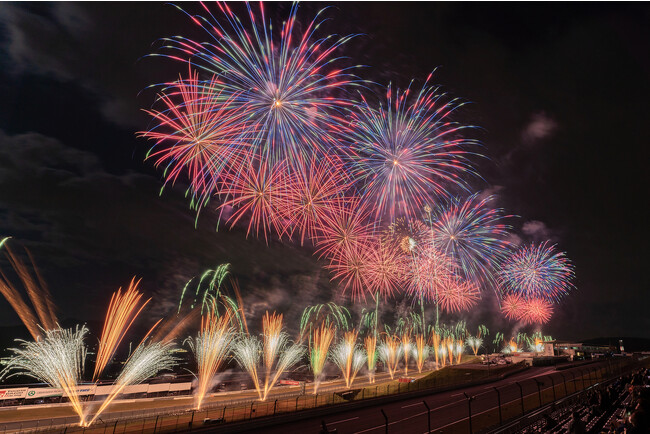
344,230
256,191
512,307
459,295
197,133
386,269
430,273
350,269
537,311
313,190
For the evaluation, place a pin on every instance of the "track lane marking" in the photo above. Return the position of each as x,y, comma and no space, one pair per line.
341,421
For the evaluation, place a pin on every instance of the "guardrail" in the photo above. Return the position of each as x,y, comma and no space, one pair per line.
490,408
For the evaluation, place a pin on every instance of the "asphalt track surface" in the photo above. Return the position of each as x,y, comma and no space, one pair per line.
447,408
39,416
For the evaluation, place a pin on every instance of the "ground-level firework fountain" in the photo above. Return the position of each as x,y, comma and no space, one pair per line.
278,355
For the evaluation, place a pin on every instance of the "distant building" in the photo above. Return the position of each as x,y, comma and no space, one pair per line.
577,350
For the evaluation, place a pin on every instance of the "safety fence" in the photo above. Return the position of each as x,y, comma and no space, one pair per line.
182,417
491,408
468,414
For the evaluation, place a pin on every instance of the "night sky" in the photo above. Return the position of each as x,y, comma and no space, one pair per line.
560,93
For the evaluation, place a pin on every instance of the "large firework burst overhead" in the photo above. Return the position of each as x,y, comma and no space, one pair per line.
276,124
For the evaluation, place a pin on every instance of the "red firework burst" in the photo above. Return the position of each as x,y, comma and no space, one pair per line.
512,307
386,269
344,230
196,131
350,268
459,295
312,190
429,273
258,192
537,311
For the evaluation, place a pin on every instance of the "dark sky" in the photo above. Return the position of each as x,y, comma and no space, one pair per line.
559,90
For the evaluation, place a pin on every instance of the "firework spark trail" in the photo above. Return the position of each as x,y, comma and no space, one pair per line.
471,232
213,280
370,344
421,351
284,88
442,351
288,358
348,357
537,271
42,313
146,361
435,341
210,348
273,342
406,349
408,152
474,343
512,346
319,344
325,314
274,346
122,312
390,353
450,349
58,359
247,350
459,348
204,132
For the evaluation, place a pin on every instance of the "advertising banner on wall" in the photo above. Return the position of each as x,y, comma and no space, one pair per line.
43,392
15,393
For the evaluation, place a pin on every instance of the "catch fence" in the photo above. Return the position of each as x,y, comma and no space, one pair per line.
487,409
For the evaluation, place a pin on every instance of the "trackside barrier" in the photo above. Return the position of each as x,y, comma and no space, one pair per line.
487,409
184,418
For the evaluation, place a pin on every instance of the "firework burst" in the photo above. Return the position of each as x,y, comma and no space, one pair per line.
537,271
385,270
345,229
407,152
283,85
511,306
256,192
312,191
471,232
199,131
536,311
458,296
